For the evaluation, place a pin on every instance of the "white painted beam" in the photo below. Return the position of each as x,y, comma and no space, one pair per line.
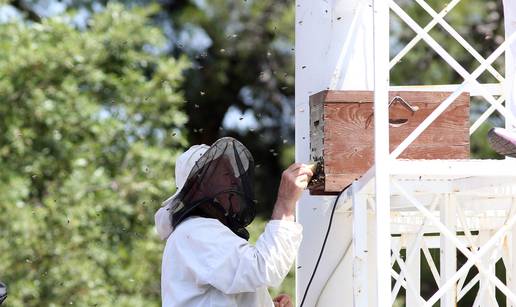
381,149
493,88
510,57
360,291
456,168
448,251
322,29
414,270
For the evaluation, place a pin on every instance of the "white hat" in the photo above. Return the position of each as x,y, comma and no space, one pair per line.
184,164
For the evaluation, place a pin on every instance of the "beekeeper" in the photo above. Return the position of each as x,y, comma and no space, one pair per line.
207,260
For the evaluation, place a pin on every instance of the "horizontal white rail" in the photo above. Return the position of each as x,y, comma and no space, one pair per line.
495,89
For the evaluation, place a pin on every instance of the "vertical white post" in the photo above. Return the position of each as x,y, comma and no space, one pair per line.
359,248
381,149
512,276
448,251
510,58
322,29
486,288
507,252
414,270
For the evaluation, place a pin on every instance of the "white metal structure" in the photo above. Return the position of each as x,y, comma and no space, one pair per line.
388,222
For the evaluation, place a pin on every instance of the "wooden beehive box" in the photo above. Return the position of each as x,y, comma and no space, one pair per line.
342,129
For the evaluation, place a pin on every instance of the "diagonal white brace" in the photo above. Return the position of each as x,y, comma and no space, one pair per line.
431,262
471,240
448,101
418,37
473,258
468,287
485,116
409,283
411,252
396,276
459,38
346,47
450,60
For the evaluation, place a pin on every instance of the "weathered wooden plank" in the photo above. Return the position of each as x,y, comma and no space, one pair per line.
335,180
367,96
340,122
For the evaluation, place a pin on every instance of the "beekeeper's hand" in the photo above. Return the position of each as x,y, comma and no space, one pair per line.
293,181
282,300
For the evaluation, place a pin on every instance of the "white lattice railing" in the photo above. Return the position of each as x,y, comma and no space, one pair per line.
482,233
467,206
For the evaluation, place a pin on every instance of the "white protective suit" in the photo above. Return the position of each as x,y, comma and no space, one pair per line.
206,264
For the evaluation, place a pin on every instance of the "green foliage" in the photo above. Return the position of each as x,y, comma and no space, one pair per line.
90,123
248,67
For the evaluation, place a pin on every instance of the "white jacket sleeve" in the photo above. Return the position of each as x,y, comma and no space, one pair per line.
237,266
162,221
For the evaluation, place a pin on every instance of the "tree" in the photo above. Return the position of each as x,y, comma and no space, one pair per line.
242,65
90,123
246,70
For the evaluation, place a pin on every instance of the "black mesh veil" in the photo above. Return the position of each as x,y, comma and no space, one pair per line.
3,292
220,186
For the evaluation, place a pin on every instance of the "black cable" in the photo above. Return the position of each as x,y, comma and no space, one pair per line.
322,247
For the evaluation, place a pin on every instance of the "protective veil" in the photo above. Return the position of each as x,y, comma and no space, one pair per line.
3,292
220,186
